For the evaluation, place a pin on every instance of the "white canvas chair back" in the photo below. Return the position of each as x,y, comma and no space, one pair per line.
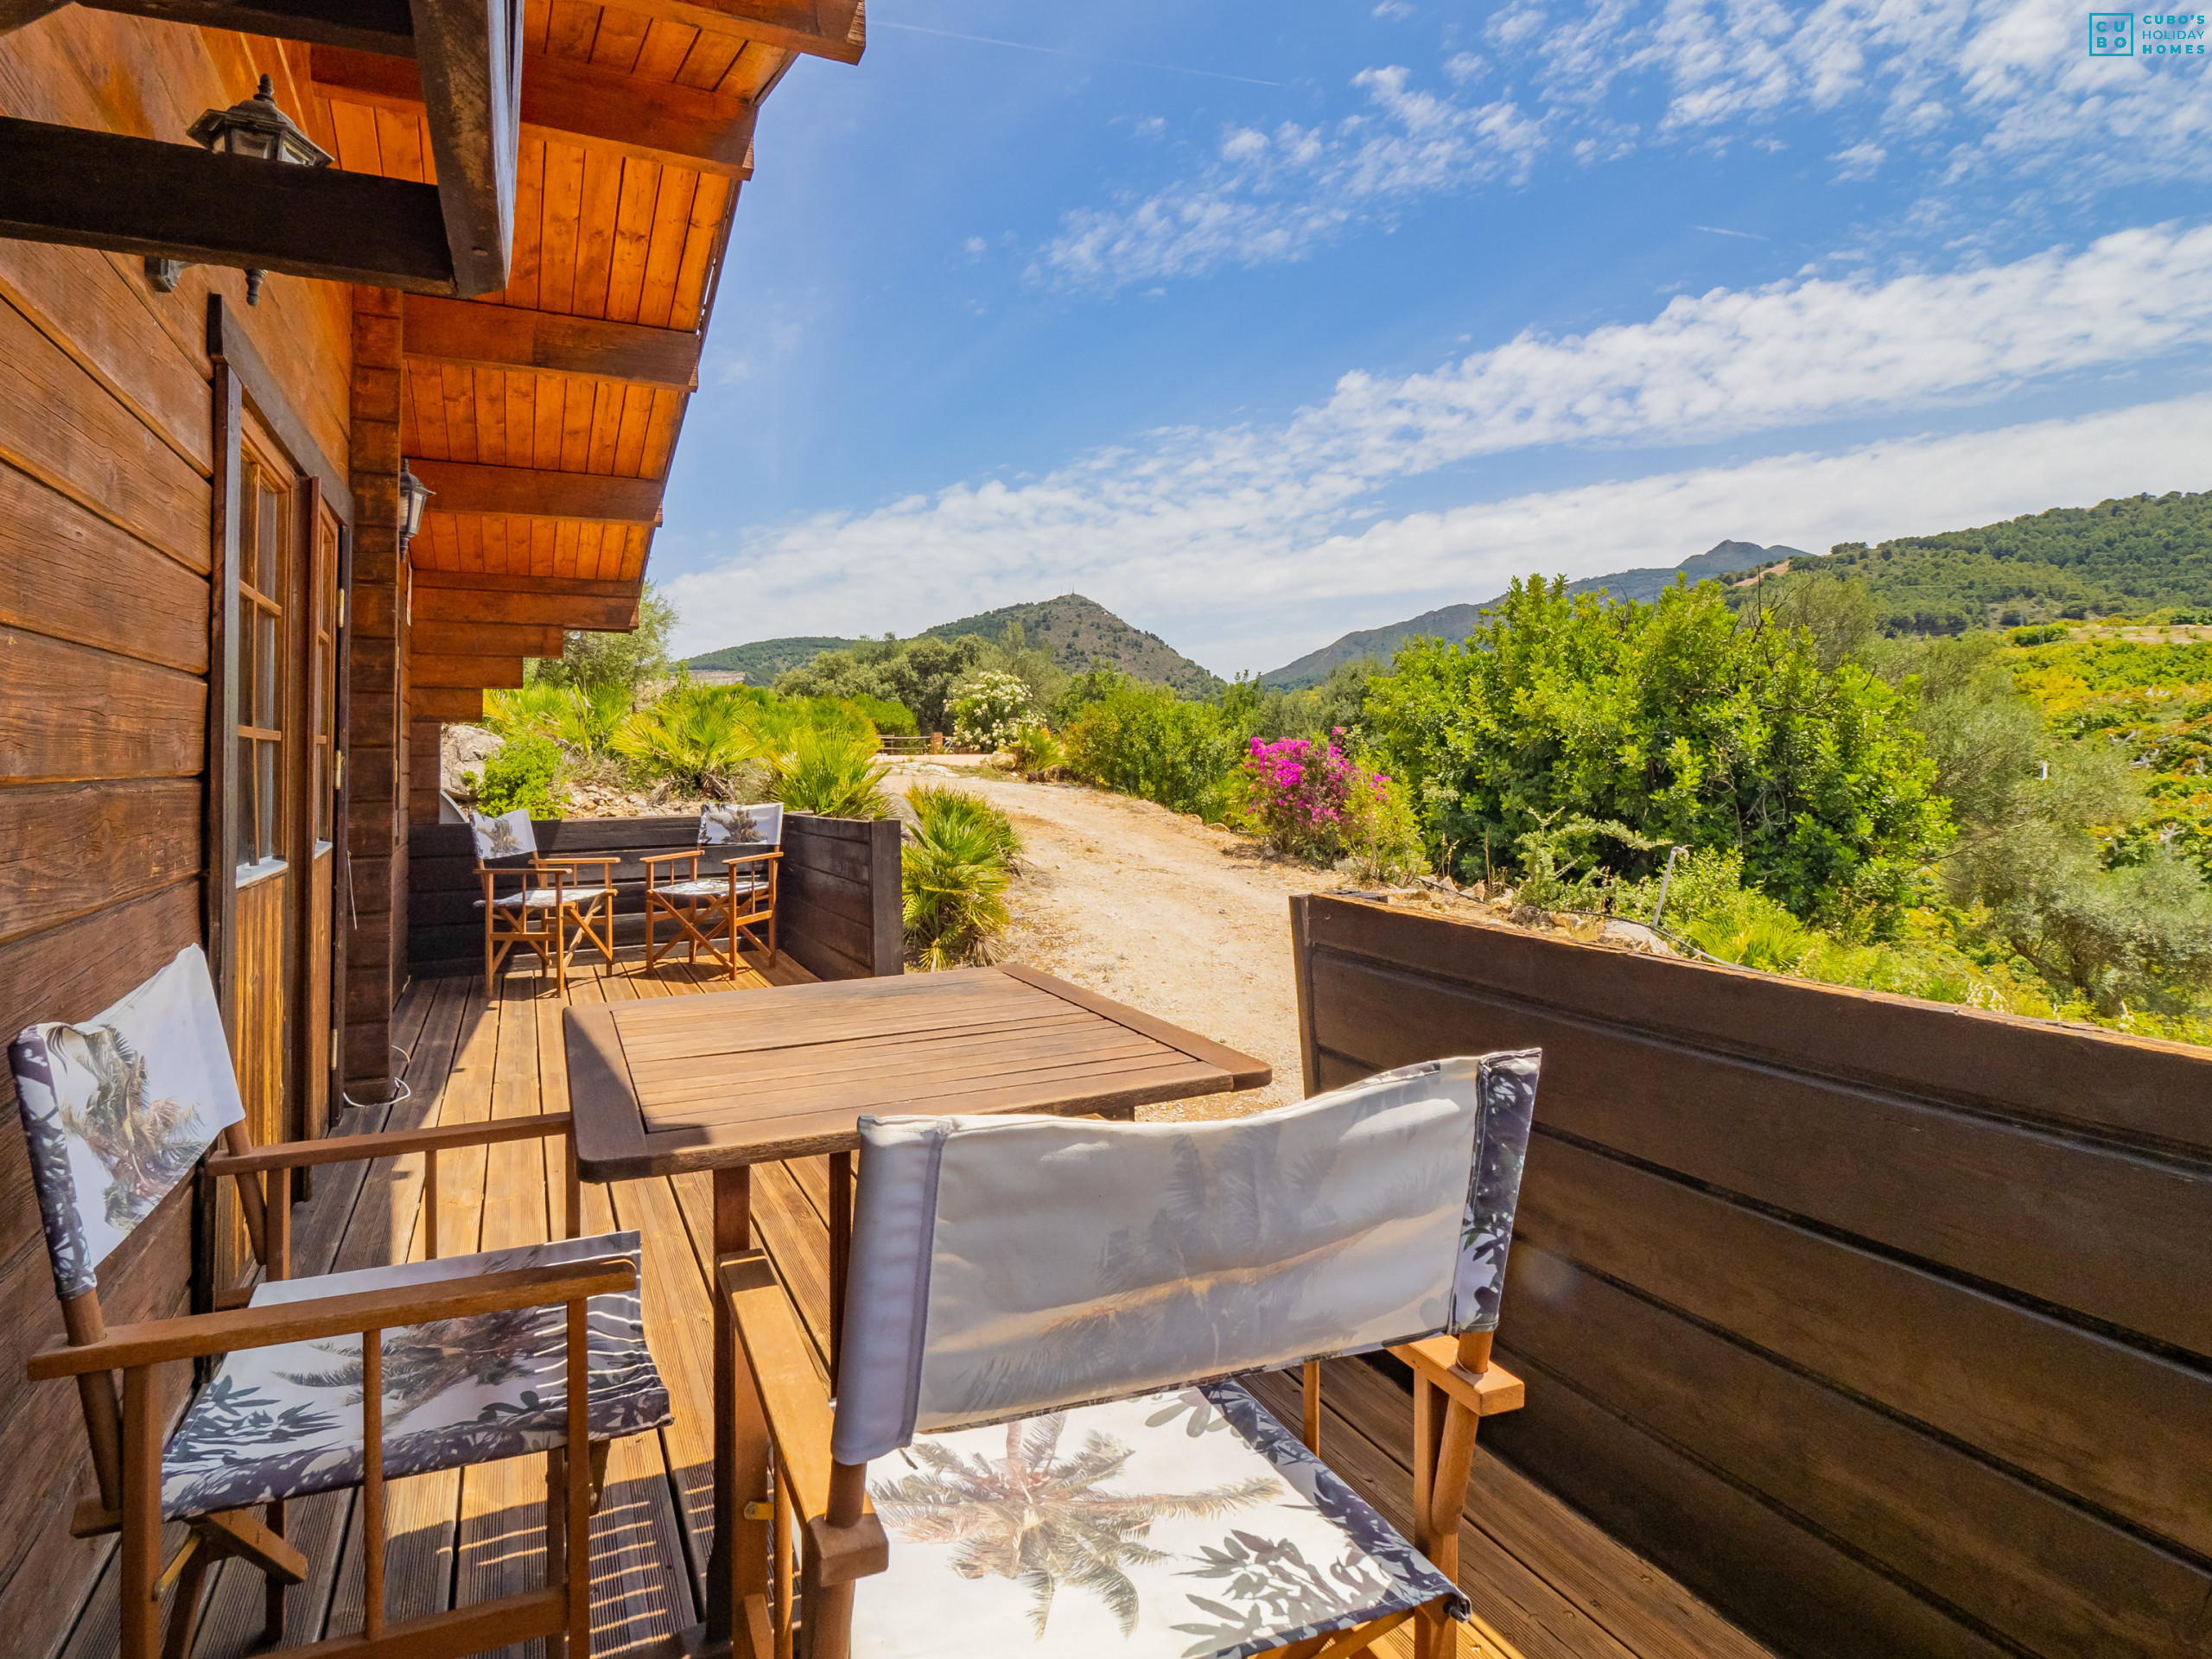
1006,1266
742,828
508,835
116,1111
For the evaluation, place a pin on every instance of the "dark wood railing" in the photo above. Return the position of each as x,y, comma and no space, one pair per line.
838,908
1883,1324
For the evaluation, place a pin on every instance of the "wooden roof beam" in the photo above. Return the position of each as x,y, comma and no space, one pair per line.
469,54
578,602
365,25
480,336
526,493
821,28
576,103
426,638
446,703
426,673
126,195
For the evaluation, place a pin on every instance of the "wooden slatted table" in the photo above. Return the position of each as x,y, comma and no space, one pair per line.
725,1081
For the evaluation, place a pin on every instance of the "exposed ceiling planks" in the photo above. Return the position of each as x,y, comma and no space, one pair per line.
546,415
577,102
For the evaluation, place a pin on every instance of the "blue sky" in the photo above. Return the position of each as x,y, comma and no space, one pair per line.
1260,322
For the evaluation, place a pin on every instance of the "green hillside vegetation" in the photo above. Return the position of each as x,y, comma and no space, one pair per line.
2129,555
1076,634
764,659
1458,621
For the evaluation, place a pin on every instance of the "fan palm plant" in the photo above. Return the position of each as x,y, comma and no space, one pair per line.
590,717
834,772
954,876
692,737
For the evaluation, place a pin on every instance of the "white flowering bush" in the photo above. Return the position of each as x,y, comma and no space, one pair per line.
988,708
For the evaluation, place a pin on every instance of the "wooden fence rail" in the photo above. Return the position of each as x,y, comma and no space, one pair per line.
1883,1324
839,905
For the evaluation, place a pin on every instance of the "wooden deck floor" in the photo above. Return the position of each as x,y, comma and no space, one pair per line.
1545,1583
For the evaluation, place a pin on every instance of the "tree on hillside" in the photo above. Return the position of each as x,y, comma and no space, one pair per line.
1679,725
919,673
589,660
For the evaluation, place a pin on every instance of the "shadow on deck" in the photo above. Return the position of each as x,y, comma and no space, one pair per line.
1546,1584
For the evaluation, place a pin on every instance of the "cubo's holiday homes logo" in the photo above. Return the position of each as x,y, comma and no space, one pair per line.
2146,34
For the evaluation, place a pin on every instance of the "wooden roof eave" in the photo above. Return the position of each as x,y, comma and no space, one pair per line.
128,194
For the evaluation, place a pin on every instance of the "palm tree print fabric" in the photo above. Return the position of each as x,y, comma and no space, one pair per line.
508,835
116,1111
1186,1523
1051,1263
286,1421
746,827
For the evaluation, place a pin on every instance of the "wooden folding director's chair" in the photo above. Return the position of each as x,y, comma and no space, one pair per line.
718,910
1035,1446
349,1379
550,900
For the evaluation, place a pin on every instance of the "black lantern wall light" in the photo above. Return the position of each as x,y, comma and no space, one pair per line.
259,130
414,496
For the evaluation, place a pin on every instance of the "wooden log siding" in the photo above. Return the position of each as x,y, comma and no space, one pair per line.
838,907
1881,1323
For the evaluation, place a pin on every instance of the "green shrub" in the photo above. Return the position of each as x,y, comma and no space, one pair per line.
1035,750
1144,741
831,771
1674,721
953,877
523,773
894,719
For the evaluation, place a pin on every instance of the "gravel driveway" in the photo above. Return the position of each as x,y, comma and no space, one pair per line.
1187,923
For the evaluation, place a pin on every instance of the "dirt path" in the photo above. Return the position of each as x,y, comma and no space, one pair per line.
1185,922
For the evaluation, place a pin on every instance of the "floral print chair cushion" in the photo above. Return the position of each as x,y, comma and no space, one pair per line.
1005,1266
286,1421
508,835
1177,1524
116,1111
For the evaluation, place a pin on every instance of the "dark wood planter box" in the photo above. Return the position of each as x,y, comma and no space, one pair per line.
838,909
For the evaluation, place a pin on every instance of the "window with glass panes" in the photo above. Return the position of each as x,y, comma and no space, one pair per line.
265,557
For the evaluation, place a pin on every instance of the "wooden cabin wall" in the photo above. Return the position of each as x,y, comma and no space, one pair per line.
105,457
375,766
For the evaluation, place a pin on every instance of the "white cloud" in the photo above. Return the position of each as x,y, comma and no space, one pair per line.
1206,524
1862,161
1987,89
1392,10
1270,196
1237,598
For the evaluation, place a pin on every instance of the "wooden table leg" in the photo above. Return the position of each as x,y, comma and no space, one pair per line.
841,1250
737,1565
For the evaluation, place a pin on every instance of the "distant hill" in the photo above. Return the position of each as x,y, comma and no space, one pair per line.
1456,622
1078,632
762,660
2126,556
